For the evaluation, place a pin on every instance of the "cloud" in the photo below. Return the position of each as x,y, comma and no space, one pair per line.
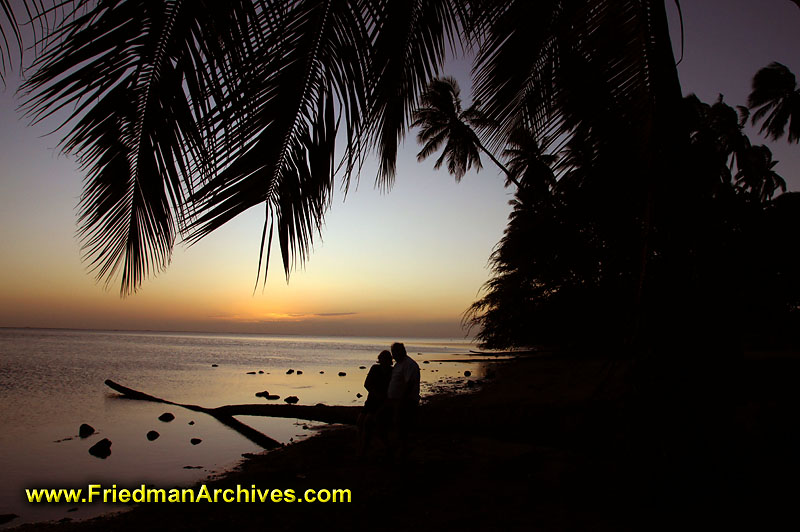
279,317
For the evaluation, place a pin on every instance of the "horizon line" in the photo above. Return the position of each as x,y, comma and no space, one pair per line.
85,329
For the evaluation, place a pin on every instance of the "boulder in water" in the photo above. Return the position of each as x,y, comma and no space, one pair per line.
153,435
289,371
166,417
467,373
195,441
342,373
85,430
299,372
101,449
291,399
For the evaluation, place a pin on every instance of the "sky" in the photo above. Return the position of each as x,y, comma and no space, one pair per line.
403,263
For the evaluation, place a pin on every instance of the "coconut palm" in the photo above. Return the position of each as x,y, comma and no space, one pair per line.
443,122
718,141
776,99
757,175
186,114
527,160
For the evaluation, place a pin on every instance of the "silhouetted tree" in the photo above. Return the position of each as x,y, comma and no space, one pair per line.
757,175
556,277
776,99
442,121
527,160
189,113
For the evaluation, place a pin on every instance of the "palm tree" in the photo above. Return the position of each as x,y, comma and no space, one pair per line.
776,99
757,175
718,141
527,160
442,121
186,114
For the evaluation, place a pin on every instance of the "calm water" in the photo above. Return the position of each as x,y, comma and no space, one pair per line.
51,381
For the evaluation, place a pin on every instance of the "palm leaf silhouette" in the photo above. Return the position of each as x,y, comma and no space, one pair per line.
186,114
445,125
776,99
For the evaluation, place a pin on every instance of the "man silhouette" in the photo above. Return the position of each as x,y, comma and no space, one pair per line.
403,393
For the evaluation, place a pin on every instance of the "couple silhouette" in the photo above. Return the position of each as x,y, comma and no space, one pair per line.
392,401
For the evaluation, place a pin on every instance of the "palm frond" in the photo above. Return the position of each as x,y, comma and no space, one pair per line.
8,23
410,39
186,114
134,79
313,73
776,99
583,62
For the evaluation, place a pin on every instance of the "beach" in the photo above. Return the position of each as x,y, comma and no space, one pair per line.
547,442
52,382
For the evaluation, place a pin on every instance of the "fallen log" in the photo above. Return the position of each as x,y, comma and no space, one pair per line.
224,414
247,431
323,413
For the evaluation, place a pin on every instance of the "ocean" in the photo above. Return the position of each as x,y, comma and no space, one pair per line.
52,381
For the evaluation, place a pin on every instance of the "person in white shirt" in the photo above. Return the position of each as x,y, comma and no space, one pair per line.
403,393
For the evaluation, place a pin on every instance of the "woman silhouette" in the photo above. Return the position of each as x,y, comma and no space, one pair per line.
375,415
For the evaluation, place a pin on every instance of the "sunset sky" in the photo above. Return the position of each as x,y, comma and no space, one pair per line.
403,263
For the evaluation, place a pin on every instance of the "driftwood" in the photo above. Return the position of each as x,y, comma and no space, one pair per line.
224,414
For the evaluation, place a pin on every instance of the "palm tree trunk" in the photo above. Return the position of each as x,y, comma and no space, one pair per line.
664,150
499,164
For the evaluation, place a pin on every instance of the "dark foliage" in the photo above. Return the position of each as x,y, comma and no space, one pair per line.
557,274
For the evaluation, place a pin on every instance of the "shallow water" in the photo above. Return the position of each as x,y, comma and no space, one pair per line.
51,381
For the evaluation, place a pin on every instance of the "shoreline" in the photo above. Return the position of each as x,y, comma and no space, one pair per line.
250,464
549,443
452,386
53,383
